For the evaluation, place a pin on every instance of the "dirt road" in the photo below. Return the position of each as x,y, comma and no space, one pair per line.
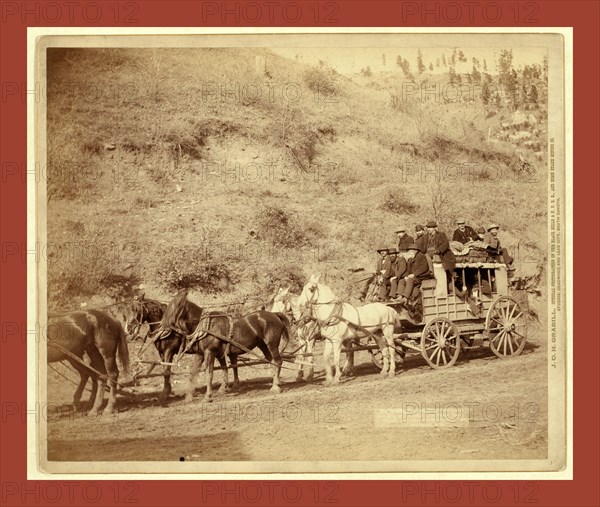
481,408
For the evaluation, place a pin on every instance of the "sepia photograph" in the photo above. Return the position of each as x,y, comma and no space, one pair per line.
292,253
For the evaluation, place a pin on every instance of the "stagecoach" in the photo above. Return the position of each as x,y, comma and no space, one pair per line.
442,320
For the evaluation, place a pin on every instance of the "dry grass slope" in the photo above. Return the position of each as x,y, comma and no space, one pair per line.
231,172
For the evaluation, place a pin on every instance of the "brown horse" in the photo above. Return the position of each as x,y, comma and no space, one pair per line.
142,316
187,328
100,337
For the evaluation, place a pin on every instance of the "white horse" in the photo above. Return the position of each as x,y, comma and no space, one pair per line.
340,322
287,303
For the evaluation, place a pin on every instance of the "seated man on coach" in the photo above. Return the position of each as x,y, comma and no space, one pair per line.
464,233
493,243
387,272
417,271
382,254
438,244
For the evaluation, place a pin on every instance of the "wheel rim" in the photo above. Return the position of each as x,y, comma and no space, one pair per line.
506,324
440,343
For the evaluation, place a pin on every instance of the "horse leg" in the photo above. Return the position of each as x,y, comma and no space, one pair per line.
348,368
84,374
97,362
196,367
311,368
210,364
389,339
298,360
113,376
385,354
337,349
276,362
236,378
327,351
167,358
224,384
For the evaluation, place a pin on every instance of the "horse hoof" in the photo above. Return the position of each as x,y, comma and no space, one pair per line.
299,377
382,373
391,374
207,399
93,413
189,398
223,390
275,389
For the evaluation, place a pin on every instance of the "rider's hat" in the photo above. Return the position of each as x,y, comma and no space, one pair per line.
419,227
431,223
413,246
393,250
400,229
493,226
382,249
460,221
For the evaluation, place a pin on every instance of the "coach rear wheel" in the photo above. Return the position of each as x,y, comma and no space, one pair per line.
440,343
506,326
377,356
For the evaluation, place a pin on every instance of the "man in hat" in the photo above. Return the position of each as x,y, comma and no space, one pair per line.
438,244
493,242
400,271
417,271
387,272
421,238
382,251
464,233
403,239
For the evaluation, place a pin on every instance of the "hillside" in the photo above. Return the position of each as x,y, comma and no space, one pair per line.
231,172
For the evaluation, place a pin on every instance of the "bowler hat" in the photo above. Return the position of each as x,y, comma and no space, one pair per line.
419,227
431,223
383,249
400,229
493,226
393,250
460,221
480,230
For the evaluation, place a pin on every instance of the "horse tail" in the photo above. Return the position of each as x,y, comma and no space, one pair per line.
287,328
123,350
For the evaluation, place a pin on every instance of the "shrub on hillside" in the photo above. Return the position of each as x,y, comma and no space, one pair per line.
278,226
186,269
398,202
285,276
320,81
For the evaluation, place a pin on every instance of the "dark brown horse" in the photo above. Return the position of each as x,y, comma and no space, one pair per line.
187,328
142,317
101,337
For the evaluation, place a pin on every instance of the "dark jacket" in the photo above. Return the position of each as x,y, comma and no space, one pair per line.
404,242
438,244
400,267
421,242
465,236
419,267
389,267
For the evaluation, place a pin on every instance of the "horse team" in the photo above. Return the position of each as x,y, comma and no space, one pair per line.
182,327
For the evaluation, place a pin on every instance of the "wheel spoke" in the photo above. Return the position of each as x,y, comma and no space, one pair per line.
510,345
517,333
514,307
517,317
444,357
439,352
449,330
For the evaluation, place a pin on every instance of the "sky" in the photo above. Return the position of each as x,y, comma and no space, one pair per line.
352,60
